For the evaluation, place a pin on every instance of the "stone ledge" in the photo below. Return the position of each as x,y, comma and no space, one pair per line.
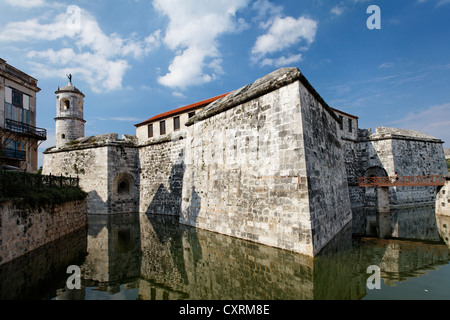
103,140
163,139
271,82
385,133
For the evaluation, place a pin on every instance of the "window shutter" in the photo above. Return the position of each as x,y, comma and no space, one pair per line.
8,95
26,102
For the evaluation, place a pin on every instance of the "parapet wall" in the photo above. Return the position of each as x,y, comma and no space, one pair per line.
24,229
107,168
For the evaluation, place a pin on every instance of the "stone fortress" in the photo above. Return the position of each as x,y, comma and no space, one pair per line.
270,163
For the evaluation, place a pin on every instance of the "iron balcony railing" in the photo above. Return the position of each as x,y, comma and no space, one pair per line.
13,154
24,128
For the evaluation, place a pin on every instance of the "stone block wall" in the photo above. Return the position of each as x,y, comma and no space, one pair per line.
107,168
24,229
90,165
329,200
390,150
162,167
246,174
123,179
443,199
417,158
269,169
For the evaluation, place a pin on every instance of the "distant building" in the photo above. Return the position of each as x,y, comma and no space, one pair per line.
171,121
19,136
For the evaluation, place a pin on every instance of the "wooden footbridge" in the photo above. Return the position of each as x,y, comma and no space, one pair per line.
404,181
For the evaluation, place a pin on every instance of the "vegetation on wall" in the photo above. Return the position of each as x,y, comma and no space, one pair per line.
448,164
38,190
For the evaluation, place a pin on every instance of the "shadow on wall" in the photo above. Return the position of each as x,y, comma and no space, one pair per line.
167,201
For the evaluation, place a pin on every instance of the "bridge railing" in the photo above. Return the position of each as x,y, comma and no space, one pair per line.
403,181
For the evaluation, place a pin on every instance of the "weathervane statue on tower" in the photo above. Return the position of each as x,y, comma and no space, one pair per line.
70,77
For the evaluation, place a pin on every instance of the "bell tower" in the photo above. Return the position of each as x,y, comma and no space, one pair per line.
69,114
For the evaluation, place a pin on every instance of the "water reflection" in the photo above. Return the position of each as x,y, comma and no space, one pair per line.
149,257
40,273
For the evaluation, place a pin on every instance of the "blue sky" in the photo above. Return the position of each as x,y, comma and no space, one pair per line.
134,59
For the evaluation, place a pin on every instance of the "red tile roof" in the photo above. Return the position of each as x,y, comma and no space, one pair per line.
345,114
184,109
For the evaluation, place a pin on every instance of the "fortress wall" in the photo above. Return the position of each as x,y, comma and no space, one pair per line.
329,200
408,152
269,170
102,164
123,179
417,158
246,174
161,163
90,166
24,229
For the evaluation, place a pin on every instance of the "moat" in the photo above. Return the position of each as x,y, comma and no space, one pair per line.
148,257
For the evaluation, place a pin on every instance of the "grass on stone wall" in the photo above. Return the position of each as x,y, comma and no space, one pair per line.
14,187
448,164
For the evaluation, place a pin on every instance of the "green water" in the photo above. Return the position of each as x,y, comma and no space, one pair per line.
147,257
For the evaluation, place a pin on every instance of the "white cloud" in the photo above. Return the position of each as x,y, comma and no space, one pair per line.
266,12
282,61
434,121
386,65
193,31
337,11
438,4
284,33
26,3
97,58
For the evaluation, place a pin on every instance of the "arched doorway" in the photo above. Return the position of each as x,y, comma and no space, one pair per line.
124,193
123,185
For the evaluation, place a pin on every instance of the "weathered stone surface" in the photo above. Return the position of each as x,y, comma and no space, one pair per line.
267,170
443,199
161,164
273,81
24,229
103,164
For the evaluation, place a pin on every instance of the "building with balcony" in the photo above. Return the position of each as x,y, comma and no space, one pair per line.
19,136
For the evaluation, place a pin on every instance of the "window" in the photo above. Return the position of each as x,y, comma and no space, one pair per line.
14,149
66,104
150,130
162,127
17,114
350,124
341,122
17,98
191,114
176,123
